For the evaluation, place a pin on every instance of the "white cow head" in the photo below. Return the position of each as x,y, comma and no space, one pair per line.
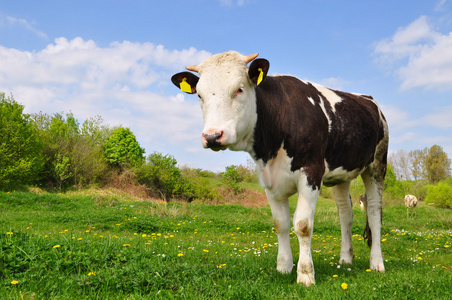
228,99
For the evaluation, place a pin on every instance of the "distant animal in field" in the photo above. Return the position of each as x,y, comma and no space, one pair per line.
362,199
410,202
301,135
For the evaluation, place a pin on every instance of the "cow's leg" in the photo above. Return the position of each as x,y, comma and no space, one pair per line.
303,225
344,207
374,192
281,219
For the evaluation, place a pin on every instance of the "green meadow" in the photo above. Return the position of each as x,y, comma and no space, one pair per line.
96,244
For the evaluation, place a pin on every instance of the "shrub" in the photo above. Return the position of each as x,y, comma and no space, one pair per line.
122,149
441,194
161,174
231,179
393,188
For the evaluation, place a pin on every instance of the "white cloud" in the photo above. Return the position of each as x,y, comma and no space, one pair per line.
421,56
440,5
232,3
11,21
336,83
441,119
118,82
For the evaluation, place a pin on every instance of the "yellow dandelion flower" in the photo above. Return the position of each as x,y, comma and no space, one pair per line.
14,282
180,254
383,240
334,276
92,274
79,239
419,258
9,233
205,250
368,270
344,286
57,246
143,235
126,245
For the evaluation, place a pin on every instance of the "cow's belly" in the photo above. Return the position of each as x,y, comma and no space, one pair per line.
339,175
276,176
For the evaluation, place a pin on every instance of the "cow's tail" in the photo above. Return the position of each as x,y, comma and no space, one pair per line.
367,234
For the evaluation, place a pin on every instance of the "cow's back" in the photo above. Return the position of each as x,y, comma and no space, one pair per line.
316,125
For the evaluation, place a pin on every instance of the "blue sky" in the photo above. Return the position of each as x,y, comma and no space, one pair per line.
115,59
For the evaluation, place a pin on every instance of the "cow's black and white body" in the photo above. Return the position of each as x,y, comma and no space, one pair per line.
301,135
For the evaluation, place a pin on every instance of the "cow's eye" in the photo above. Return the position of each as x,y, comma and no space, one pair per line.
239,91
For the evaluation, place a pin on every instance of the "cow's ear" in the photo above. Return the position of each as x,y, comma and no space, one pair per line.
258,70
186,81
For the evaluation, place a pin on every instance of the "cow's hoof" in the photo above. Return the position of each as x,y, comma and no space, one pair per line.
378,267
306,279
345,260
284,266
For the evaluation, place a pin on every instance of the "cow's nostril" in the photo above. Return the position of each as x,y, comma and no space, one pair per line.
213,139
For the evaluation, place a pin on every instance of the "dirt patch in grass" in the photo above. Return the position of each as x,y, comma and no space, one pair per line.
247,198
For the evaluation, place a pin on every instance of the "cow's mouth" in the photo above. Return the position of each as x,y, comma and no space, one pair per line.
214,140
216,149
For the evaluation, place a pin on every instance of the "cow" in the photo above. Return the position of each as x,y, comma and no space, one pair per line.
410,202
362,201
301,135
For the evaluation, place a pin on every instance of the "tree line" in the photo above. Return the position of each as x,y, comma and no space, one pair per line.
431,164
57,152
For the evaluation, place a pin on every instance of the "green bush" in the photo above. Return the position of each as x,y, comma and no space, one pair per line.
122,149
20,147
393,188
441,194
161,174
80,146
231,179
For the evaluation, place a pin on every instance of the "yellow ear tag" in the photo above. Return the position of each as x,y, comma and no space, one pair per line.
185,86
261,76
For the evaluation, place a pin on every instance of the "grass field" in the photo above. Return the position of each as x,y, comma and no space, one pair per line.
99,245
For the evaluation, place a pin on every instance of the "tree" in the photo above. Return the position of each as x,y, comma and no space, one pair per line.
72,152
417,163
401,161
436,164
122,149
20,147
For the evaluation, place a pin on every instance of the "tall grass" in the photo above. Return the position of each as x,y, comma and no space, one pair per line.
75,246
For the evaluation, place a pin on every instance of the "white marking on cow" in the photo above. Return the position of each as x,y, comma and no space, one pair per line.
331,176
223,108
330,95
311,100
322,106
